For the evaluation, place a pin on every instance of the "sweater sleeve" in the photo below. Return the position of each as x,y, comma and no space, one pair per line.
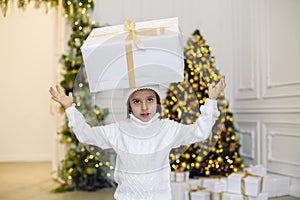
97,136
188,134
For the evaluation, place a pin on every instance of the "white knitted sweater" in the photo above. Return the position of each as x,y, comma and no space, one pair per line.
142,168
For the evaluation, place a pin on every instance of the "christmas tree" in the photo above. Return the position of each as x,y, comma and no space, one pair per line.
84,167
217,155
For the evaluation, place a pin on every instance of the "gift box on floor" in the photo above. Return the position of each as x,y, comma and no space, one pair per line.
195,183
217,195
198,194
179,188
134,54
209,183
257,170
252,184
261,196
232,196
179,176
276,185
220,186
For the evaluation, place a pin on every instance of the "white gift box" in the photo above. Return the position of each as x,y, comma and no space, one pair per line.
209,183
234,183
257,170
195,183
151,53
261,196
217,196
231,196
179,176
253,184
276,185
215,184
220,186
198,195
179,188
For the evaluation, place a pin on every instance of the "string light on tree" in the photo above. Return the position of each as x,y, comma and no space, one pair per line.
218,155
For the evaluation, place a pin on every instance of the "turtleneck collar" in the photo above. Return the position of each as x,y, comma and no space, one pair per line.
135,119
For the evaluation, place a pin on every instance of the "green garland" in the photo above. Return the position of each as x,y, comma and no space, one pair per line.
22,4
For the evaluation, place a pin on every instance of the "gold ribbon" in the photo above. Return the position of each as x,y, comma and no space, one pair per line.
175,177
199,189
133,34
243,187
221,196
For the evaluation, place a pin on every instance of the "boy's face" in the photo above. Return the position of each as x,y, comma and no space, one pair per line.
143,104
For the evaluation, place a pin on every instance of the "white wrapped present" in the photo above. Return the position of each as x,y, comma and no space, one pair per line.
209,182
276,185
232,196
257,170
179,176
234,183
220,186
133,55
195,183
217,195
244,183
198,194
179,188
261,196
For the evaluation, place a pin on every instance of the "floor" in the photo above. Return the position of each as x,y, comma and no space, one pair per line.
33,181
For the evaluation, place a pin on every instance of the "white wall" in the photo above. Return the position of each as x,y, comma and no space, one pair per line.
266,46
28,68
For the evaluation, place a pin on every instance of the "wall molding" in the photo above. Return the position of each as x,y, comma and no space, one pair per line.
271,89
286,130
246,81
250,129
266,110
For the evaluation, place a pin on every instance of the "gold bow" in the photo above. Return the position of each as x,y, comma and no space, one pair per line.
133,33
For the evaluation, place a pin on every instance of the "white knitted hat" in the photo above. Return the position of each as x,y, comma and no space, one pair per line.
129,91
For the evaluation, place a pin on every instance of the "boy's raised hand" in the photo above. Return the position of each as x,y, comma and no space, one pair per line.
59,96
213,92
